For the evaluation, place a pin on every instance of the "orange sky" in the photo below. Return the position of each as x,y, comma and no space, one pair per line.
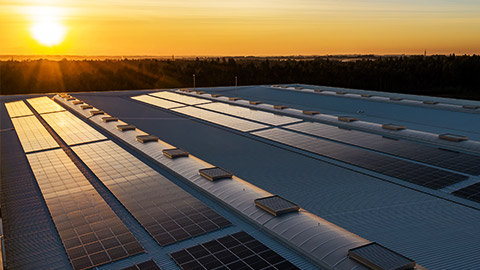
248,27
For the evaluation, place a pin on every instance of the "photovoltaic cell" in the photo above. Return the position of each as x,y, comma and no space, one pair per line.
471,192
90,231
17,108
162,103
45,105
165,210
401,169
235,251
32,134
455,161
180,98
71,129
220,119
256,115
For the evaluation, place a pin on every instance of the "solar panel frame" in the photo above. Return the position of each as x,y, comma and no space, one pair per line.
220,119
408,171
17,109
45,105
235,251
71,129
250,114
162,103
167,212
32,134
85,222
471,192
189,100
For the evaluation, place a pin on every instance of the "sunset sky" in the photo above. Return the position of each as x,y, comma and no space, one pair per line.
247,27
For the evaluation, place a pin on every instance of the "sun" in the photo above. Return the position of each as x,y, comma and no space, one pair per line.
48,33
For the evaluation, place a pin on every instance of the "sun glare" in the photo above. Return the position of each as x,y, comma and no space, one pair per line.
47,28
48,33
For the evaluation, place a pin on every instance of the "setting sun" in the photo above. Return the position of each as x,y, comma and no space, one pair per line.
48,33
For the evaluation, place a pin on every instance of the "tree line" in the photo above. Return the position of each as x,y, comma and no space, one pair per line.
448,76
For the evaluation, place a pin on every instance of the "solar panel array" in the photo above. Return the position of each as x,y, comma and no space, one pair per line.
32,134
256,115
456,161
180,98
44,105
162,103
405,170
471,192
235,251
220,119
165,210
17,109
90,231
71,129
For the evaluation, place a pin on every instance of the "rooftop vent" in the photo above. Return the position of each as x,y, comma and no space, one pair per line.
70,98
310,112
109,119
378,257
216,95
77,102
147,138
347,119
430,102
84,107
298,88
283,86
396,98
201,92
280,107
126,127
234,98
175,153
275,85
452,137
393,127
470,107
341,93
318,90
366,95
215,173
255,102
62,94
276,205
96,112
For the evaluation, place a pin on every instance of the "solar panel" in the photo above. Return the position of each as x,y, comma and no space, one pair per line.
147,138
90,231
256,115
45,105
378,257
276,205
471,192
456,161
220,119
452,137
17,108
235,251
165,210
215,173
162,103
148,265
126,127
180,98
401,169
32,134
71,129
175,153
